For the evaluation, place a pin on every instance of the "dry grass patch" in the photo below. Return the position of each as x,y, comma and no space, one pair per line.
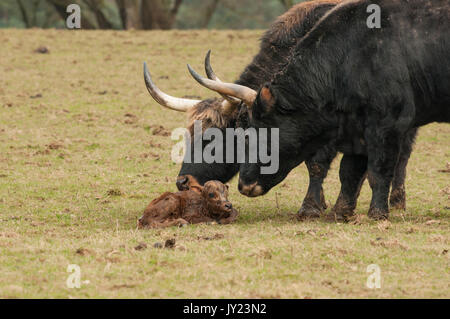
83,150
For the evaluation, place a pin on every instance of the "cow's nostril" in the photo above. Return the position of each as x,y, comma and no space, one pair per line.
181,182
228,206
253,190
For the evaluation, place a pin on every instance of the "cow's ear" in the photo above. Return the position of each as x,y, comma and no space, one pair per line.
266,99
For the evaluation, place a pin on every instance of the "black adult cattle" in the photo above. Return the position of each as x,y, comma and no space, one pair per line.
276,47
357,88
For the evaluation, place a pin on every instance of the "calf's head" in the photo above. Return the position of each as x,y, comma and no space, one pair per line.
216,196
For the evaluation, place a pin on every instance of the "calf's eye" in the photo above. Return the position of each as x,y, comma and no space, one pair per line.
211,195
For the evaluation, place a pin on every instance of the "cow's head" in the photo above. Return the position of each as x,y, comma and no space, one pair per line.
303,129
221,113
268,111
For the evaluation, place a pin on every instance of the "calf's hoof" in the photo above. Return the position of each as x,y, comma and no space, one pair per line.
398,199
378,214
180,222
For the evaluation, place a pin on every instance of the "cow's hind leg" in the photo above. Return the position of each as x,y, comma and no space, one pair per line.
398,194
314,203
352,174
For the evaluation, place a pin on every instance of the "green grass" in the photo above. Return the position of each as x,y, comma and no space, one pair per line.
79,164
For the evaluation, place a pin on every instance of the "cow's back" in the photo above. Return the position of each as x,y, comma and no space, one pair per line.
279,41
400,69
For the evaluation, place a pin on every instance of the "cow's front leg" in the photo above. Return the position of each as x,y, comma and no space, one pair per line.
398,193
383,157
314,202
379,208
352,174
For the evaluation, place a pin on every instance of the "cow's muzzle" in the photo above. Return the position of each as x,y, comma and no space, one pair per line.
253,190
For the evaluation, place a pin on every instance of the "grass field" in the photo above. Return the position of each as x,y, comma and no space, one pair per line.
82,153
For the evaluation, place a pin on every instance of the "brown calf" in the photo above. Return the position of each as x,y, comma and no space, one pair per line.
196,205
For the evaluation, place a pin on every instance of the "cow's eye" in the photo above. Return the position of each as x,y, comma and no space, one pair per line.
211,195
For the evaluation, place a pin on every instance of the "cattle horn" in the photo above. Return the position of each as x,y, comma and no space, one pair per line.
235,90
173,103
230,103
212,76
209,70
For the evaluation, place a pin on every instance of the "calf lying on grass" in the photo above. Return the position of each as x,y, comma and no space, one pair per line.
196,205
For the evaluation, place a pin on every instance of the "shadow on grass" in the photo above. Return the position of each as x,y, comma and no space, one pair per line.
284,216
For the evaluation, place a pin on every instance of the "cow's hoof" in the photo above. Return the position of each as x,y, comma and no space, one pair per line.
398,199
322,201
378,214
341,212
340,216
323,204
308,213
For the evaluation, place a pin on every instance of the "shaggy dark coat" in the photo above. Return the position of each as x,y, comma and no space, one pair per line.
276,47
363,91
